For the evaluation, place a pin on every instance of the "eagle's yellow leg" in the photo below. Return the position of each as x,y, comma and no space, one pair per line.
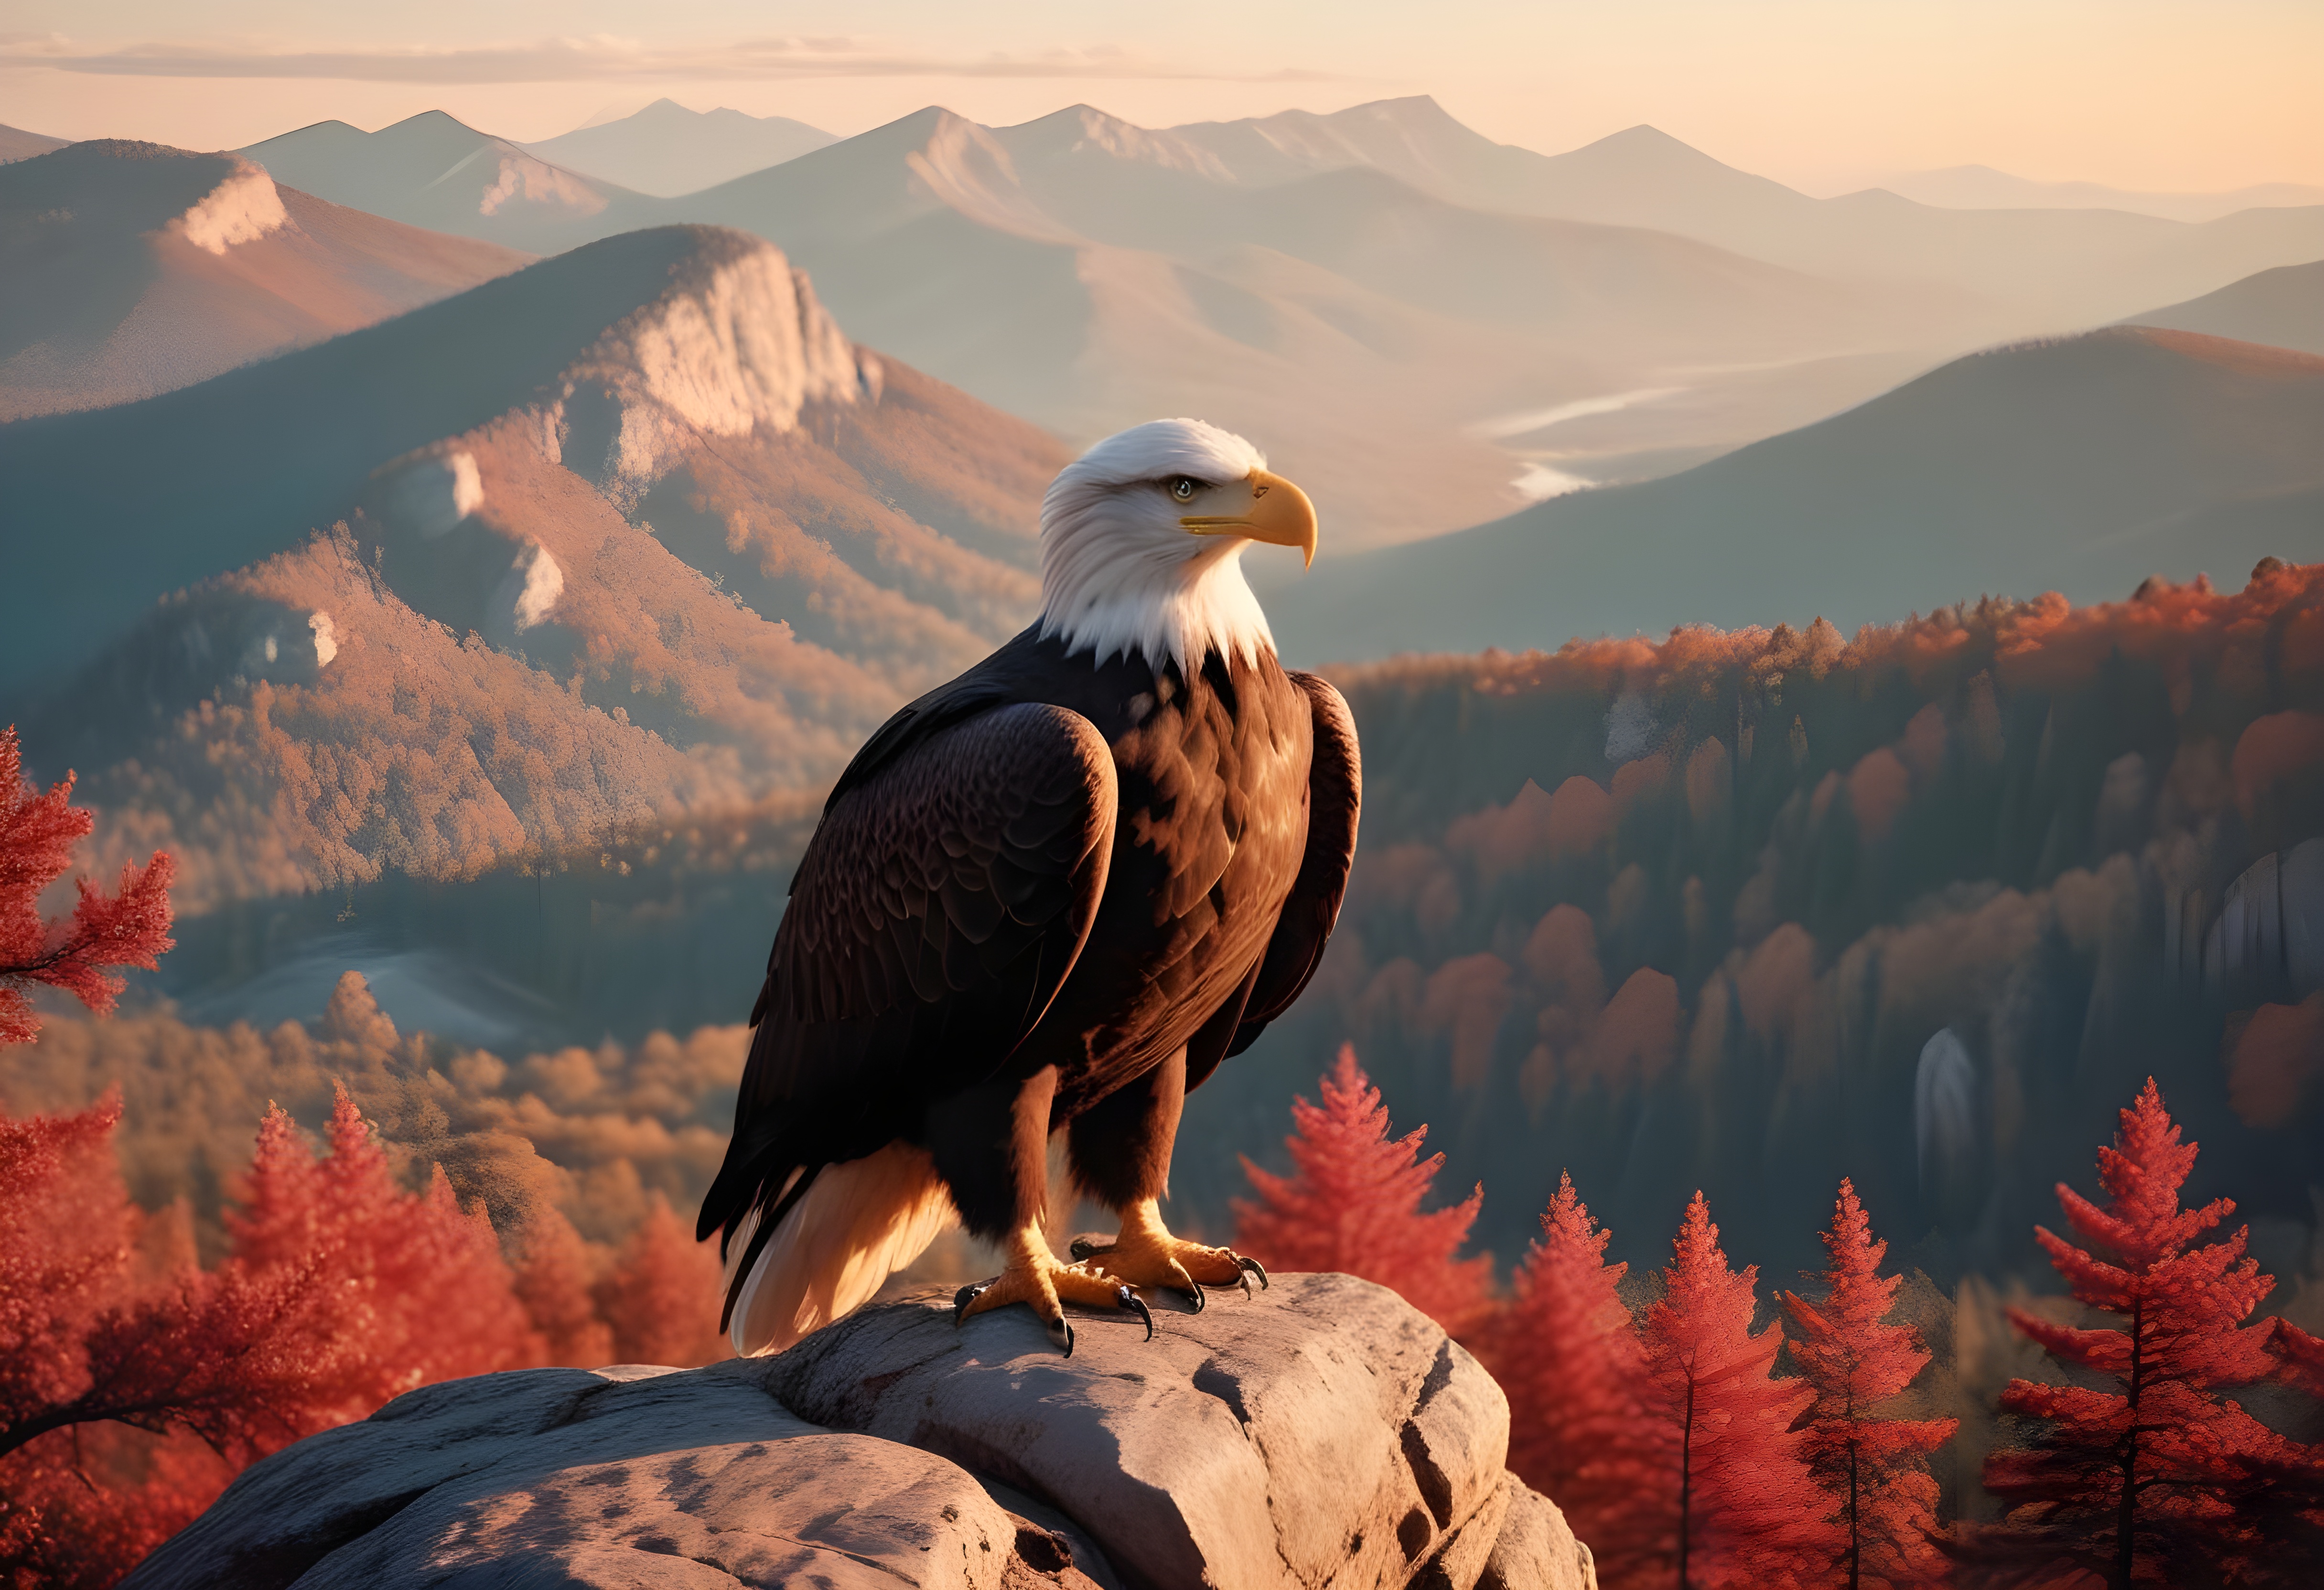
1146,1255
1034,1276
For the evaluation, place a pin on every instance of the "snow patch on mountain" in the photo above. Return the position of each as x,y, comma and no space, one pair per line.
523,179
243,208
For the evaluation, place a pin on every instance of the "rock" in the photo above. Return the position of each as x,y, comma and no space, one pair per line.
1321,1433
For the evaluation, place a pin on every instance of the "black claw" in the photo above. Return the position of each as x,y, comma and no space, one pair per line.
1065,1327
1196,1298
1131,1301
964,1297
1250,1267
1081,1249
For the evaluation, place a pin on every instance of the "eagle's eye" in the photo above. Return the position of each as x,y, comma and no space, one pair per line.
1183,488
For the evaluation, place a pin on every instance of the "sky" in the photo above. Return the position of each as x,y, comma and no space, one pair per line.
1827,94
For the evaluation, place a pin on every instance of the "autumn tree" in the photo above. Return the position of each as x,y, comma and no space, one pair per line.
132,1384
2154,1478
77,953
1353,1205
662,1299
1875,1468
418,1282
1567,1352
555,1272
1738,1506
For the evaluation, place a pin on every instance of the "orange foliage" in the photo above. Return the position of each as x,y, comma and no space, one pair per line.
661,1299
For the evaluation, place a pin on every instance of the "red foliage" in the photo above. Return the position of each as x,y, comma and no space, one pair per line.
128,928
98,1328
1875,1468
662,1297
1354,1206
1567,1351
1738,1506
553,1281
2156,1481
418,1288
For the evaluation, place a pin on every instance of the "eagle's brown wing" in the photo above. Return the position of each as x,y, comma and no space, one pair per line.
1335,793
941,903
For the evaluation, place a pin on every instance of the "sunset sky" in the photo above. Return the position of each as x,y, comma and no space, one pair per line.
1824,93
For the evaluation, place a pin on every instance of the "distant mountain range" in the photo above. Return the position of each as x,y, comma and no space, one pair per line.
130,269
431,171
2284,307
667,150
16,144
634,531
2080,465
1981,188
1381,297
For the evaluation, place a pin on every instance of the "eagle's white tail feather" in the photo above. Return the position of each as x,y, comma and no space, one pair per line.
858,1222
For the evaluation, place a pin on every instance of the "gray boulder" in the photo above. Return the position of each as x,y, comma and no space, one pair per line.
1320,1433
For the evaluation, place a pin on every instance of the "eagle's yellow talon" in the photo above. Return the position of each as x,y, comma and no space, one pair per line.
1146,1255
1034,1277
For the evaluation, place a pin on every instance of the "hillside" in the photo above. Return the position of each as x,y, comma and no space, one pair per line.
2079,465
1750,910
2284,307
431,171
132,268
666,149
1096,275
16,144
634,532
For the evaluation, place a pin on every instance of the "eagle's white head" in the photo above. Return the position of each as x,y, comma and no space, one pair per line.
1142,539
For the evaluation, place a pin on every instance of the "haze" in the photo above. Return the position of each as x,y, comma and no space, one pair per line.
2156,97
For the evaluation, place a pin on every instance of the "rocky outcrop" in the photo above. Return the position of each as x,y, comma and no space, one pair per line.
1321,1433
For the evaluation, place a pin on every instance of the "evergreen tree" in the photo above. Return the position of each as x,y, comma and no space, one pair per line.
661,1301
1739,1507
129,927
2157,1479
1875,1469
1567,1352
1353,1206
553,1280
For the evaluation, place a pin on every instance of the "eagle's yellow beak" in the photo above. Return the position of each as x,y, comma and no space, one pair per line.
1263,507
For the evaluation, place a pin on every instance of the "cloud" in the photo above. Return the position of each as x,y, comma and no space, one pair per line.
581,60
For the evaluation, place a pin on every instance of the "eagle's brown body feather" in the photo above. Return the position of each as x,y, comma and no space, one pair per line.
1050,885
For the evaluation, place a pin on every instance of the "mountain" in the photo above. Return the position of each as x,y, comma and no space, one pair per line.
697,542
1981,188
666,149
1093,274
16,144
2080,466
132,268
430,170
2032,270
2284,307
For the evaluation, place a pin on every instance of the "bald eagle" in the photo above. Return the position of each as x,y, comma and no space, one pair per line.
1049,897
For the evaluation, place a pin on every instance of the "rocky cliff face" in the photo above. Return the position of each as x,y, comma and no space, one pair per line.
1323,1433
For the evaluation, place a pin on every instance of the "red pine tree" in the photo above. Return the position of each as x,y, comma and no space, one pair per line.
1354,1206
38,832
1567,1352
553,1282
420,1286
2154,1481
1739,1506
105,1347
662,1297
1875,1468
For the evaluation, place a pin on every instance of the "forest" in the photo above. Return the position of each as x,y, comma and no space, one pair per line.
1876,936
